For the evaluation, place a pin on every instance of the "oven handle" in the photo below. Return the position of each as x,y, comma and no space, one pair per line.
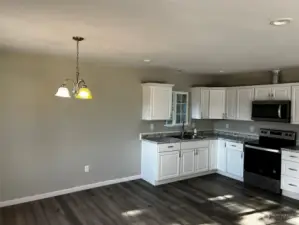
263,149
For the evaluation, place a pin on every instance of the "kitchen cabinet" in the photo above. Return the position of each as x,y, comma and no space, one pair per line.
263,93
200,98
201,159
281,93
244,103
273,92
156,101
231,104
169,165
205,99
208,103
187,162
235,162
295,105
221,156
213,149
217,103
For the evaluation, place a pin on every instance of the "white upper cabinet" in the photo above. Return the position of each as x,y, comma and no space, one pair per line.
157,101
244,102
217,103
272,92
195,103
281,93
263,93
205,99
208,103
295,105
200,98
231,104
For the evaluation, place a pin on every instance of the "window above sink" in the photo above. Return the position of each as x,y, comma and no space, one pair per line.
180,109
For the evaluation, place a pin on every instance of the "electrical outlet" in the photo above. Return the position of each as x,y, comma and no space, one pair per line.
86,168
193,125
252,129
227,126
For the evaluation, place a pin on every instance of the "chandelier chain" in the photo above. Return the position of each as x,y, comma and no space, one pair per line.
77,67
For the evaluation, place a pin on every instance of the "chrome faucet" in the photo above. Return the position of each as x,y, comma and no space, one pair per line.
183,129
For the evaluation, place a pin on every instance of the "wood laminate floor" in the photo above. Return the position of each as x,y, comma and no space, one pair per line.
211,199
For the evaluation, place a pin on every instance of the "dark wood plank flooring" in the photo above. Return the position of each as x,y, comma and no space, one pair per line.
212,199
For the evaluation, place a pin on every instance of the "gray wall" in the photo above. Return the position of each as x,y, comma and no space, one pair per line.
46,141
255,78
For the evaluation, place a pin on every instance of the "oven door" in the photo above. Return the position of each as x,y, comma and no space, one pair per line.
262,161
274,111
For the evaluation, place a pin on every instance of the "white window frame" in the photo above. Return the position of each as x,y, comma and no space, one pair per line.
174,109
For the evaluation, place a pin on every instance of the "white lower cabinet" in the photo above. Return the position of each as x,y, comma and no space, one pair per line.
221,156
187,162
169,165
290,174
235,162
201,159
213,151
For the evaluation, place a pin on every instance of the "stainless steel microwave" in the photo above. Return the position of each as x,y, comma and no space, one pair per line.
273,111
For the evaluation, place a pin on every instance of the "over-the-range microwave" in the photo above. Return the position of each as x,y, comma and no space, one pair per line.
273,111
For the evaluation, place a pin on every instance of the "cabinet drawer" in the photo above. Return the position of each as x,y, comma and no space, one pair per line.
291,156
194,144
290,184
169,147
235,146
290,168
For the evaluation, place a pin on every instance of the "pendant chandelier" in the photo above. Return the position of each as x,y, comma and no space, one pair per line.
80,90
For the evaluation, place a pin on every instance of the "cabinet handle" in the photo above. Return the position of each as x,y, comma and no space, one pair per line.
293,185
170,146
292,169
234,146
292,156
242,155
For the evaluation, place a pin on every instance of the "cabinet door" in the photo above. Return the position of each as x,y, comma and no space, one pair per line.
281,93
217,104
161,103
202,159
213,154
295,104
262,93
204,105
195,103
187,162
235,162
244,103
231,103
169,165
221,159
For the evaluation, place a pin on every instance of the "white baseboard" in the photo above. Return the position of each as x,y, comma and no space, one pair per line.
67,191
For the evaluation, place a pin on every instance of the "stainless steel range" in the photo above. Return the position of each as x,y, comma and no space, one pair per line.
262,160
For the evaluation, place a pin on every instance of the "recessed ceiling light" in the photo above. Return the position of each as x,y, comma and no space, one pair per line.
281,21
221,71
147,60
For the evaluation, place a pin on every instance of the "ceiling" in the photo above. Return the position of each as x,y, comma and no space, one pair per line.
196,36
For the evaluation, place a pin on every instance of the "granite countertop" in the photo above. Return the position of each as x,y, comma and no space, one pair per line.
165,139
291,149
